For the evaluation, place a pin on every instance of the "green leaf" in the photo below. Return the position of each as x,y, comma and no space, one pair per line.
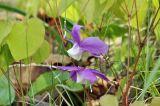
25,38
5,59
157,31
155,101
64,4
109,100
5,28
151,77
7,93
42,53
47,81
117,11
33,7
156,3
55,8
51,9
142,6
93,9
72,14
58,40
71,86
137,103
122,85
114,30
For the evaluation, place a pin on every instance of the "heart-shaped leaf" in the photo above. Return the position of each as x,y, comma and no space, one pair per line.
42,53
26,38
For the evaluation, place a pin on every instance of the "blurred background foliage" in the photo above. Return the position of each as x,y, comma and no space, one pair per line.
111,20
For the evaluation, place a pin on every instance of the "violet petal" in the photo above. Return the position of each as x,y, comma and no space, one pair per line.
76,33
94,45
99,74
86,75
73,75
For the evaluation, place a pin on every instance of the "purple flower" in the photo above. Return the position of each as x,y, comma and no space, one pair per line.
92,45
82,75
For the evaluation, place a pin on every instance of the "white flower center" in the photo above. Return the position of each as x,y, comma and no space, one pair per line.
80,79
75,52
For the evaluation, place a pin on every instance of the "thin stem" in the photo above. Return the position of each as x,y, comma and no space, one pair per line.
68,104
100,27
87,94
59,31
21,83
123,9
132,7
83,9
129,41
17,81
12,9
125,94
125,4
33,65
154,18
129,46
156,24
138,32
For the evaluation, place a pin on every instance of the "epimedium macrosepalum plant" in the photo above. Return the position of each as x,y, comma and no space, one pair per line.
79,75
92,45
110,19
25,39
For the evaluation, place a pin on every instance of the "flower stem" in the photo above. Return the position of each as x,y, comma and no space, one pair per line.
87,94
141,45
11,8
